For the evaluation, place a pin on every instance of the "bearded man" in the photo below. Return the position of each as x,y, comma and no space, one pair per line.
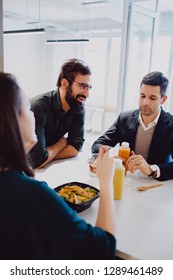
60,115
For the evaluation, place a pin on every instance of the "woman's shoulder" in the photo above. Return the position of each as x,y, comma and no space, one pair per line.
19,180
33,191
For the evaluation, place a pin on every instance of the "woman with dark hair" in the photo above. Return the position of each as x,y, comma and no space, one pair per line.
35,222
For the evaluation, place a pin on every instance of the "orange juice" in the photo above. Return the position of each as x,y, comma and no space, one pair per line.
124,151
118,179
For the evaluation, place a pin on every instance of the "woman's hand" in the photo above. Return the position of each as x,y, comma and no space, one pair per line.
104,169
104,166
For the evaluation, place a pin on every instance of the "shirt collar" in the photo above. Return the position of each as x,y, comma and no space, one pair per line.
57,101
151,124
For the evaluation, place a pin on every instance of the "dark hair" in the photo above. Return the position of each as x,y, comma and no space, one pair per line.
12,153
156,79
71,68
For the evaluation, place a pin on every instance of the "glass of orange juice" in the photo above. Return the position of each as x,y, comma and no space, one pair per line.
92,164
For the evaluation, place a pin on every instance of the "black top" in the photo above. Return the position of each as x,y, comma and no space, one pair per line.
36,223
52,123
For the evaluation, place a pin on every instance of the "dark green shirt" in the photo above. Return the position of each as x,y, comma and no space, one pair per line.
52,123
36,223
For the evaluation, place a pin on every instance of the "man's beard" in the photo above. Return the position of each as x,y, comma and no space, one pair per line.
147,111
75,104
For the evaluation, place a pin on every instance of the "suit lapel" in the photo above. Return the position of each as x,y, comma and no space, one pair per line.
132,128
159,133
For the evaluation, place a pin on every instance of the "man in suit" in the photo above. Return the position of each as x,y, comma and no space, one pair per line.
149,131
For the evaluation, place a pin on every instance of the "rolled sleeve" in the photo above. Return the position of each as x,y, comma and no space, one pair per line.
76,133
38,155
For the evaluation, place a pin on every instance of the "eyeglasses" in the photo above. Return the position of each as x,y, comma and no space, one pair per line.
83,85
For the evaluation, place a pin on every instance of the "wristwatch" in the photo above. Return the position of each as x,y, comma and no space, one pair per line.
153,173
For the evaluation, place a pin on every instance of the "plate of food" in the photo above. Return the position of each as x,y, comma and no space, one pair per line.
78,196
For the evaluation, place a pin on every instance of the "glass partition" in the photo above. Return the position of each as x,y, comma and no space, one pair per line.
139,53
141,30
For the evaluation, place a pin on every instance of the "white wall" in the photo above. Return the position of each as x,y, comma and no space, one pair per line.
36,64
24,56
56,55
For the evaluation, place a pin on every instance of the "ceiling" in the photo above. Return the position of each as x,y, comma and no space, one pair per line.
63,17
67,18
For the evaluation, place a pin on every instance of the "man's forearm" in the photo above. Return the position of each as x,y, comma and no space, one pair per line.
67,152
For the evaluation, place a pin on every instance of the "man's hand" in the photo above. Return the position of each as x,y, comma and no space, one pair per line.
137,162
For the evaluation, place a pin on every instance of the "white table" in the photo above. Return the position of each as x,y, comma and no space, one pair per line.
144,220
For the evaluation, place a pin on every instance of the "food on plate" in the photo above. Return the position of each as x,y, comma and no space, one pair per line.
76,194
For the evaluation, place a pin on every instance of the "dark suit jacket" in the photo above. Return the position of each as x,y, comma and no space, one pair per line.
161,147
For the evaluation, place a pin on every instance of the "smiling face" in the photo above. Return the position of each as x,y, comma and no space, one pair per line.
150,100
78,92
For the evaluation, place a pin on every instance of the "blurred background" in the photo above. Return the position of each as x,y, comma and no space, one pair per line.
121,40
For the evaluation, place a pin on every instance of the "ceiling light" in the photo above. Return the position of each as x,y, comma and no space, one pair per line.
95,3
20,31
67,41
